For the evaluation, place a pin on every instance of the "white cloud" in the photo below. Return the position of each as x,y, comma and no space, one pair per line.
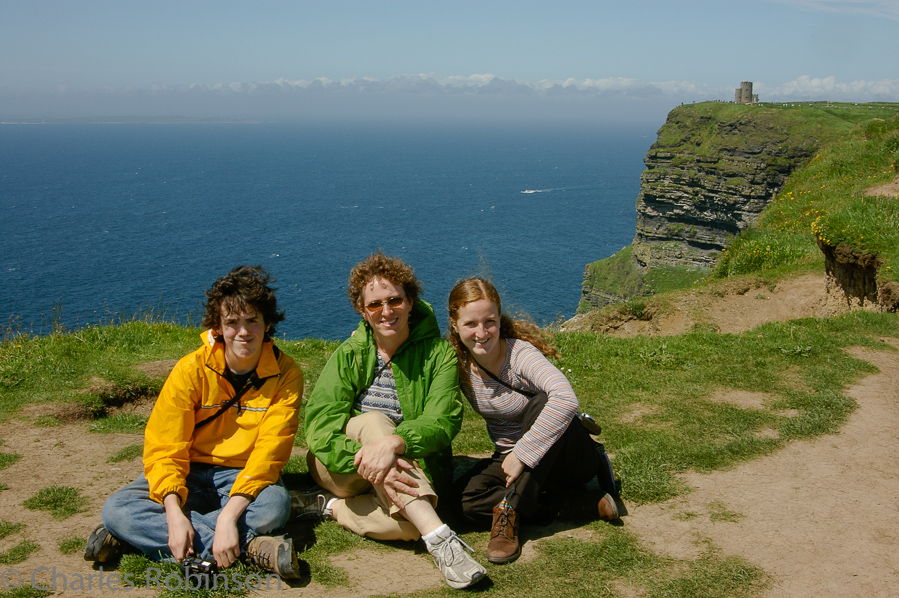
828,88
801,88
888,9
428,96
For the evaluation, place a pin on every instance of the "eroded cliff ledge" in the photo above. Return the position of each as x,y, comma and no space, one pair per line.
712,170
708,177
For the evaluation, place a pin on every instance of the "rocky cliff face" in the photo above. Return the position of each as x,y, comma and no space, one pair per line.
708,177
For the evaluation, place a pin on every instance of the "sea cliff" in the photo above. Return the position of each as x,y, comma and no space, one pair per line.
709,175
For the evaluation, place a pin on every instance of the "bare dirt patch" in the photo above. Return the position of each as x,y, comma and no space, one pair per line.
741,398
637,413
728,308
891,188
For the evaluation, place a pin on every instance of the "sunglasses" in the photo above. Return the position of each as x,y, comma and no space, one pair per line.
376,306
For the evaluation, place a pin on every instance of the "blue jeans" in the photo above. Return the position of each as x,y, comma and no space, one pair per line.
130,515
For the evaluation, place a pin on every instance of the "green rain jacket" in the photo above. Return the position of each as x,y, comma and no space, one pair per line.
427,384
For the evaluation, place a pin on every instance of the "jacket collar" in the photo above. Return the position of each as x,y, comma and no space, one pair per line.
215,356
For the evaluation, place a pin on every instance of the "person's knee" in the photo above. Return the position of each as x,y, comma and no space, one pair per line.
270,511
340,485
369,427
119,508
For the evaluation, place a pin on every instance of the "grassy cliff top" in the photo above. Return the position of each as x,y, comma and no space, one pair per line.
828,200
708,128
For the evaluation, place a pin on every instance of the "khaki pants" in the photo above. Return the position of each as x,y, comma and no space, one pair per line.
368,511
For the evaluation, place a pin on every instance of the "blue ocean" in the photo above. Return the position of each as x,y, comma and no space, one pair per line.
104,220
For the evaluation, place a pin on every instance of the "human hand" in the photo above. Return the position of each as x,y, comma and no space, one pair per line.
181,532
512,467
375,459
397,480
225,543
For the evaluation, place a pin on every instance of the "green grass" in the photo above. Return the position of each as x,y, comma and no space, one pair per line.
672,379
7,459
129,453
618,276
61,501
73,545
57,368
123,423
7,528
18,553
46,421
825,202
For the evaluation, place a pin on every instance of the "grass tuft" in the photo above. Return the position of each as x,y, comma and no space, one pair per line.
18,553
7,528
7,459
72,545
61,501
123,423
129,453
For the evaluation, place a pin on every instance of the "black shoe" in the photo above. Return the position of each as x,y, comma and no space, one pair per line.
103,547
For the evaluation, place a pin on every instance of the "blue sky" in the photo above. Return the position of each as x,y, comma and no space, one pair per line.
490,57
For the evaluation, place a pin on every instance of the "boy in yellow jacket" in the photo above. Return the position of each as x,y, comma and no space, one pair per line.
216,441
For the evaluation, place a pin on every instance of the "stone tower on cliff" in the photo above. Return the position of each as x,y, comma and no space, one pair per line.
743,94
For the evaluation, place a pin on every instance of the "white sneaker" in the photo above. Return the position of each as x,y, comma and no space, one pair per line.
456,565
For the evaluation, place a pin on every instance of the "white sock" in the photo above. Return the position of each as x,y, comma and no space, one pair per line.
438,535
327,514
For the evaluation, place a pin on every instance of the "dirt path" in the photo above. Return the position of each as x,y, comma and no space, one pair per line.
821,516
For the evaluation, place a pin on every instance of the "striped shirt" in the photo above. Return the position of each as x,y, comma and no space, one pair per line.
381,395
502,408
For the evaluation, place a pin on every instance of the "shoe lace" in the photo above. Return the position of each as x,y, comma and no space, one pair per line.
261,558
503,525
446,549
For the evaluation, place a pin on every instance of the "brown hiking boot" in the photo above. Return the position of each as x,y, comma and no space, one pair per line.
589,506
274,554
608,508
503,546
103,547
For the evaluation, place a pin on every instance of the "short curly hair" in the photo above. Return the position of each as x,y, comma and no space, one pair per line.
378,265
243,289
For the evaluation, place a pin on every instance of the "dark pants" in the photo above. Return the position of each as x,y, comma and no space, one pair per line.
570,463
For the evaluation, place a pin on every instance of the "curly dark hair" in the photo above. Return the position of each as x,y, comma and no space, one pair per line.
243,289
378,265
474,289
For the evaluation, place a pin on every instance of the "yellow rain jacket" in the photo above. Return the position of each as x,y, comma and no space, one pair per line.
256,434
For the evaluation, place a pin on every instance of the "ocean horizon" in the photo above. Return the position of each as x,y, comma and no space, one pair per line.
102,220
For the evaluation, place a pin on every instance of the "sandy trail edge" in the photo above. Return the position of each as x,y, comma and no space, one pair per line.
821,516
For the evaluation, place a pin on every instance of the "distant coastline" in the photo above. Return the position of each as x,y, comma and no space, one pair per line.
127,120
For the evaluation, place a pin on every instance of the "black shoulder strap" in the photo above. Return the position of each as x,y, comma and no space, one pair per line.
227,405
253,382
526,393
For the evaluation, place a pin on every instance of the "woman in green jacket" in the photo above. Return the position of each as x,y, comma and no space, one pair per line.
381,419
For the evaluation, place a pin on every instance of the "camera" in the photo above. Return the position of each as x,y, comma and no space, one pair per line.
198,573
589,423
